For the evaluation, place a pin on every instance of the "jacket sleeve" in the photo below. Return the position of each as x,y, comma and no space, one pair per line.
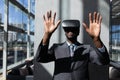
44,54
98,57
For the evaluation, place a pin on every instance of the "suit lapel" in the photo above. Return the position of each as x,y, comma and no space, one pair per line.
66,50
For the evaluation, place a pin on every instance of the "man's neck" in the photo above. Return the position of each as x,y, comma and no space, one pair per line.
72,41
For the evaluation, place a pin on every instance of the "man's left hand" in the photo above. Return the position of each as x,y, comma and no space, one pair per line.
94,25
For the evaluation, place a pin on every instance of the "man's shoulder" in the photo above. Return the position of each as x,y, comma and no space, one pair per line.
85,45
59,44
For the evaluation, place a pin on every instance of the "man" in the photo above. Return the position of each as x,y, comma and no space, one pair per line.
71,57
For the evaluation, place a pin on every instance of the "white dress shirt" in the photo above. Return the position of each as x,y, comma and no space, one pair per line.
74,47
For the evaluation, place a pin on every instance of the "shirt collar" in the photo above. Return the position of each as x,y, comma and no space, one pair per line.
75,44
69,44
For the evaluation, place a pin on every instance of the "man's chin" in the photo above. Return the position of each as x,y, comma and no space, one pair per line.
71,38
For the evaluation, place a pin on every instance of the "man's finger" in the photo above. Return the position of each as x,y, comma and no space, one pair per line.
90,18
94,16
97,19
57,24
48,15
44,17
54,17
100,19
85,26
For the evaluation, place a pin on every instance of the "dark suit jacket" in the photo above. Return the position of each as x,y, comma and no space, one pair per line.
71,68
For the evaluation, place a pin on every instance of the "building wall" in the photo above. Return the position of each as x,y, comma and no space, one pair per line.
70,9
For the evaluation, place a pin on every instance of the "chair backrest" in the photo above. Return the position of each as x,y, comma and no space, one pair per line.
114,74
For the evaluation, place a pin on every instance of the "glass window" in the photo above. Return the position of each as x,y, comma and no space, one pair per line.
25,21
15,16
1,11
31,45
32,25
17,38
1,31
115,32
23,2
32,9
1,47
18,19
17,47
11,15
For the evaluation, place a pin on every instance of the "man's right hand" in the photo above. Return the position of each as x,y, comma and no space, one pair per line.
50,26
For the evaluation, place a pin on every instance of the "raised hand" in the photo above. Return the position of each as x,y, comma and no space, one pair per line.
94,28
94,25
50,26
49,22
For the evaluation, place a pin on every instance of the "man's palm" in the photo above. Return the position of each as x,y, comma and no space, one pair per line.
49,22
95,25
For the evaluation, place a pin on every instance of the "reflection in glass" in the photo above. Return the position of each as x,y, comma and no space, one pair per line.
17,32
25,21
115,42
12,14
17,47
23,2
32,25
1,47
1,31
17,18
32,9
31,45
1,11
